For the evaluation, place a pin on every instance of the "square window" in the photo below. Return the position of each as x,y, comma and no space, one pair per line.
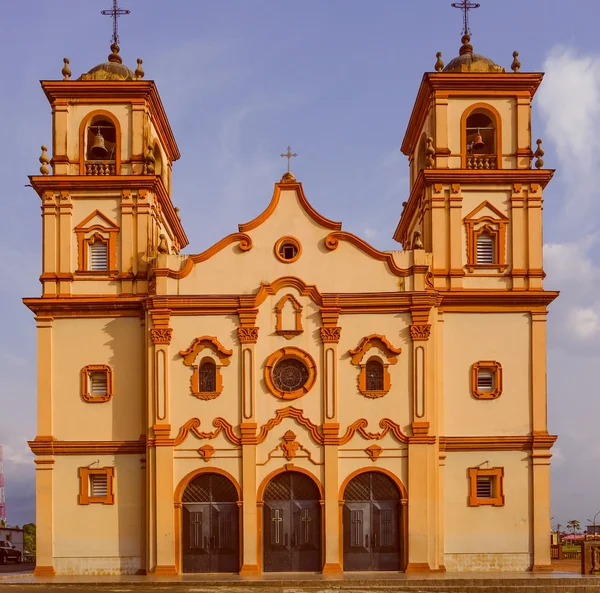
486,486
96,383
96,485
486,379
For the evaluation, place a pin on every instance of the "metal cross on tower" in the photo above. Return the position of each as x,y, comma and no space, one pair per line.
115,12
288,155
466,5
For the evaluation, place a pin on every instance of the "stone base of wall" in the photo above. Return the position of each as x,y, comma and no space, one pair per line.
487,562
98,566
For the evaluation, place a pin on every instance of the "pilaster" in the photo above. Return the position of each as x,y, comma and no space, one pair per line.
65,235
126,241
49,243
44,516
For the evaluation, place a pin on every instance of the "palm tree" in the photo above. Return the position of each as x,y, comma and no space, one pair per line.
574,526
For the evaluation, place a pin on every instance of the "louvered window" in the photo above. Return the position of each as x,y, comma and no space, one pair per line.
485,249
98,485
485,487
98,256
485,380
98,383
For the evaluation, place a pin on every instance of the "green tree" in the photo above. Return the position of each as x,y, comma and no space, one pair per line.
29,538
574,526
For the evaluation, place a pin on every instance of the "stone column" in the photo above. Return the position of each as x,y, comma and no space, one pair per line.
248,336
330,337
162,474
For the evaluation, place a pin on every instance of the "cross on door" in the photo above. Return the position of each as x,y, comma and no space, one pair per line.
357,526
306,520
386,525
277,520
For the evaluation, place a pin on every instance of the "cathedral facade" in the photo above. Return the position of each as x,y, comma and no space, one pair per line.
292,399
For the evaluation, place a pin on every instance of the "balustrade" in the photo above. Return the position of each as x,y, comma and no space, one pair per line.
100,167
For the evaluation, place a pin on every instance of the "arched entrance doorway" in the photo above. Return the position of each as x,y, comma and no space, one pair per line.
210,525
292,524
371,523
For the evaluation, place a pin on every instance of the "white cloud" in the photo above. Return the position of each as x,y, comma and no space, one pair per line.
584,322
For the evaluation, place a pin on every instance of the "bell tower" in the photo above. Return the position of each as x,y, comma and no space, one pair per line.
476,192
106,188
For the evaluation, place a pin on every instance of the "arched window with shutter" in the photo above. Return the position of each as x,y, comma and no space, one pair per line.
374,373
207,377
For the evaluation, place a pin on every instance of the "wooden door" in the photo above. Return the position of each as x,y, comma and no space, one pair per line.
210,525
292,524
371,523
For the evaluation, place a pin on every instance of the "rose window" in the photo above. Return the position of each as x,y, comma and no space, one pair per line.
290,375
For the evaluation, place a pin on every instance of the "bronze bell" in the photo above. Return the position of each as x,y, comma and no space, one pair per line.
478,144
98,151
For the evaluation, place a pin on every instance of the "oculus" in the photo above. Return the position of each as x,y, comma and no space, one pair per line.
290,373
288,250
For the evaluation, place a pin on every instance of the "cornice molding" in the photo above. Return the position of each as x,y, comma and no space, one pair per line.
444,85
429,177
106,91
116,184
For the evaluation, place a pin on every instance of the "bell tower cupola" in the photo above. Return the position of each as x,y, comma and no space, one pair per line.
476,184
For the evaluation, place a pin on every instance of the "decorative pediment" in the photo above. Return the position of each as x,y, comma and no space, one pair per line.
375,341
96,221
199,344
302,201
486,211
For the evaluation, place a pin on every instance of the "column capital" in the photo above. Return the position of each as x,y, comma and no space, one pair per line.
247,335
161,335
331,335
420,332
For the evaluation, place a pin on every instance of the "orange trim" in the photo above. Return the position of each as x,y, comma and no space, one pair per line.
245,244
178,504
497,476
82,140
297,187
498,443
333,239
85,383
496,369
496,228
362,379
192,426
294,242
44,571
84,495
260,504
269,289
199,344
283,354
374,341
463,131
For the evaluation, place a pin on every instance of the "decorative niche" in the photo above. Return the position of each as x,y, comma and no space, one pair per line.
206,381
288,317
486,379
97,245
374,377
486,239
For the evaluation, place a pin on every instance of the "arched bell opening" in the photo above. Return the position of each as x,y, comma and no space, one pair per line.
210,525
100,145
481,138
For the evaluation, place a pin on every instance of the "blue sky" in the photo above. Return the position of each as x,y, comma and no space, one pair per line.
335,79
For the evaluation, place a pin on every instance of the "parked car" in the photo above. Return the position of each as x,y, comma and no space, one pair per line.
9,552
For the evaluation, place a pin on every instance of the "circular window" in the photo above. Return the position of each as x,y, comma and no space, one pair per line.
290,373
288,249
